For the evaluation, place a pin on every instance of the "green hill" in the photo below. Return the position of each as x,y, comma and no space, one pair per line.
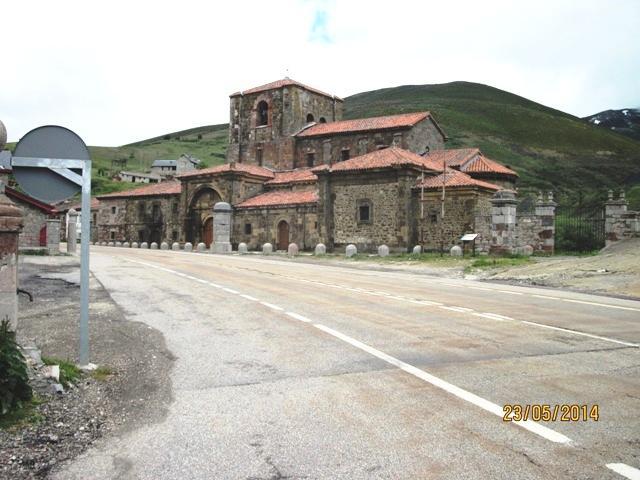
550,149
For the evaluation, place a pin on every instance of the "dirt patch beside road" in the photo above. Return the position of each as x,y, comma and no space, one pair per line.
137,392
614,271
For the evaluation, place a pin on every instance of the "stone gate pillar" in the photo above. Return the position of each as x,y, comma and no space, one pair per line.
503,222
614,211
546,211
10,227
53,235
221,228
72,231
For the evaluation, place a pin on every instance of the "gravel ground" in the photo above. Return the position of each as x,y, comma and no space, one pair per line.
137,392
614,271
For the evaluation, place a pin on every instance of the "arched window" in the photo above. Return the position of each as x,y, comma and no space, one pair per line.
310,118
263,113
322,120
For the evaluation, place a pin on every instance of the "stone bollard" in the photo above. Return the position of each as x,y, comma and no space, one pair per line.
267,249
126,245
134,245
175,246
242,248
110,244
417,250
351,250
383,251
118,244
153,246
164,246
455,251
72,231
527,250
188,247
103,244
201,247
320,249
11,223
144,245
292,250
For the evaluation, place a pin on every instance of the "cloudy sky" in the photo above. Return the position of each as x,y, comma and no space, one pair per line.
121,71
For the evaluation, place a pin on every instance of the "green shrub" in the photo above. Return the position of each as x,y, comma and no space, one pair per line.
14,381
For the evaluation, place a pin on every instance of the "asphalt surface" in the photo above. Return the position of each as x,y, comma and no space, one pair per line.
292,370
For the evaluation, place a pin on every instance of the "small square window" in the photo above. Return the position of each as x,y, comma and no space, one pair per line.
112,235
434,218
364,212
259,156
344,154
114,210
311,158
247,229
174,235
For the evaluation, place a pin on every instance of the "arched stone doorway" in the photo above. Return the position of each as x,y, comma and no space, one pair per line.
283,235
200,220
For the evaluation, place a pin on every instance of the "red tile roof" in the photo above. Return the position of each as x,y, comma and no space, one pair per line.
364,124
385,158
469,160
34,202
301,175
483,164
455,179
279,198
285,82
153,189
230,167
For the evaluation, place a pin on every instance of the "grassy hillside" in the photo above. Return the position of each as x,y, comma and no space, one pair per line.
551,150
208,144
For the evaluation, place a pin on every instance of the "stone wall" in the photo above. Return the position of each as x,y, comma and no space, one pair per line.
302,220
329,149
139,219
466,211
389,196
34,221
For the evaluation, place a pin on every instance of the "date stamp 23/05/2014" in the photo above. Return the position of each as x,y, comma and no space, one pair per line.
550,413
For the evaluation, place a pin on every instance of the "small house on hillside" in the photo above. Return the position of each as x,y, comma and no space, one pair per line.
170,168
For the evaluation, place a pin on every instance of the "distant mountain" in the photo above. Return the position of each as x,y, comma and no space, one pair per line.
625,121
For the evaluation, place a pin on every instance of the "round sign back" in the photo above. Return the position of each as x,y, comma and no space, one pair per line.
49,142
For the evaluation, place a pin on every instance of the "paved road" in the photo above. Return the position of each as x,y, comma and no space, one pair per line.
293,370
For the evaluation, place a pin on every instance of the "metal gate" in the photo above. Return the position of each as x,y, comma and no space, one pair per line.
579,231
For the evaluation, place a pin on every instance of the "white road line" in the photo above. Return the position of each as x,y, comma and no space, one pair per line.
625,470
601,304
298,317
491,407
566,330
249,297
230,290
457,309
490,316
510,292
272,306
546,297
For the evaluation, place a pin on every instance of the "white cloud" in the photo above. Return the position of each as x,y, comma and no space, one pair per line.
118,72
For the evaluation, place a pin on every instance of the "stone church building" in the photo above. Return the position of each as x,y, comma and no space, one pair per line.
297,173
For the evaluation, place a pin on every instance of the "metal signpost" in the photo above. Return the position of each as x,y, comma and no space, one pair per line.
52,163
